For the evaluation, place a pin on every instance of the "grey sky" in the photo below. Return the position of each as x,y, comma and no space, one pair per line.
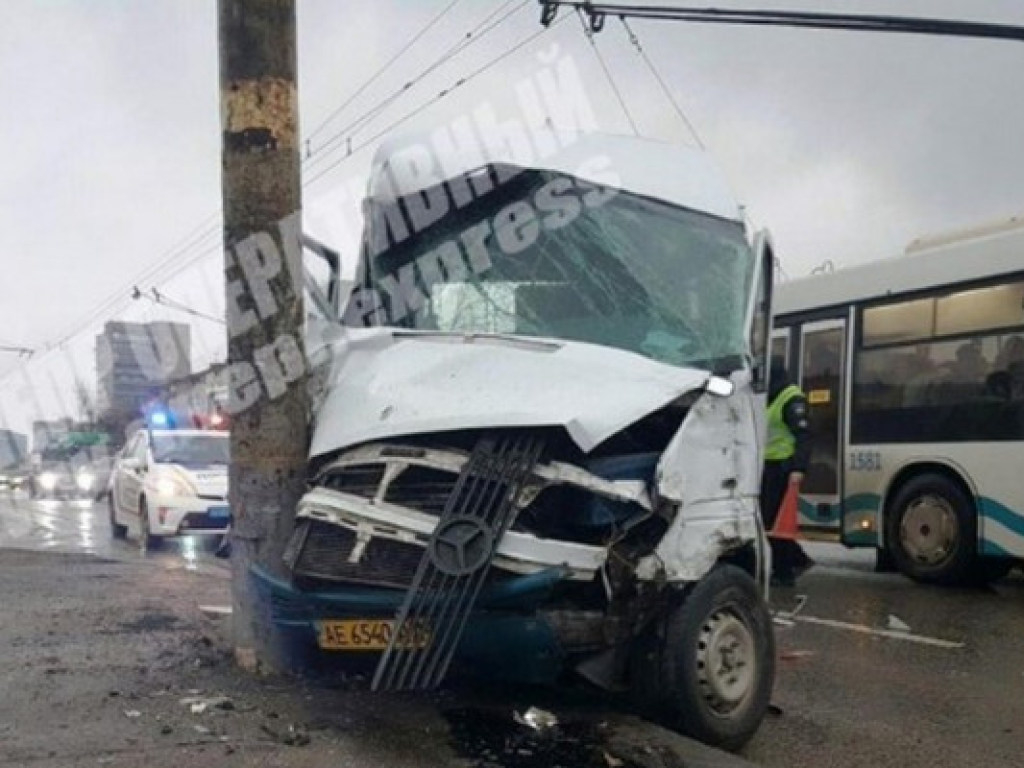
845,145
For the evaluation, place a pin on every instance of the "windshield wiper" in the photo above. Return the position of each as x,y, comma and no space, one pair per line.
471,335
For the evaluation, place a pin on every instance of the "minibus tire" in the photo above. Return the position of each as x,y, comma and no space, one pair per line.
922,505
723,706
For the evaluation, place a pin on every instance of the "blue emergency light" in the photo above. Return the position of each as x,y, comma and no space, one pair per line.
159,419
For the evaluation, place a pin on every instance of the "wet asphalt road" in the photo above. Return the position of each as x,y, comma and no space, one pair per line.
856,688
873,669
83,527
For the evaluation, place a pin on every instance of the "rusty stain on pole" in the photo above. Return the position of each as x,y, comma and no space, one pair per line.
261,197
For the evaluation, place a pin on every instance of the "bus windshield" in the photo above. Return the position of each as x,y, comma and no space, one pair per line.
606,267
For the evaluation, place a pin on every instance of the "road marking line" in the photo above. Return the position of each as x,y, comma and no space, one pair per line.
892,634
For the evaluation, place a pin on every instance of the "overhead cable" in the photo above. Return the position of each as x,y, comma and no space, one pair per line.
344,135
598,12
210,227
661,82
439,97
589,34
384,68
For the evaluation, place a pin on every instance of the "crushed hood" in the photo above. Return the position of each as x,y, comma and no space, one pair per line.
389,383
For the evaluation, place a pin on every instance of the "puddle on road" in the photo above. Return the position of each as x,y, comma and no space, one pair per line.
492,739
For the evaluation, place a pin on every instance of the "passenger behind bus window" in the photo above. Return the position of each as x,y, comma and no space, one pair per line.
970,365
917,390
1010,362
1011,352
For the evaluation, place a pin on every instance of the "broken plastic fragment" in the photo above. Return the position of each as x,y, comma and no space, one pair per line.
215,610
199,704
538,719
897,625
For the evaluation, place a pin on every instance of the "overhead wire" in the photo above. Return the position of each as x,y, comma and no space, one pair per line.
469,39
209,226
635,41
119,298
425,105
161,298
800,19
384,68
589,34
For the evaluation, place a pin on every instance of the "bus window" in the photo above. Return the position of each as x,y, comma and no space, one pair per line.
896,323
945,391
980,309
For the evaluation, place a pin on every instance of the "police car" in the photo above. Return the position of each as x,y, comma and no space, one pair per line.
170,482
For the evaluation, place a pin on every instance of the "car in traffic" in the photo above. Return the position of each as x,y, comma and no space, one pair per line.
12,479
539,450
170,482
63,478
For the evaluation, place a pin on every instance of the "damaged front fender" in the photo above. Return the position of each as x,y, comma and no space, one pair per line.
707,480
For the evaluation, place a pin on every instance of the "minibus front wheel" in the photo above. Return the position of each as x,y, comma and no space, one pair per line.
708,667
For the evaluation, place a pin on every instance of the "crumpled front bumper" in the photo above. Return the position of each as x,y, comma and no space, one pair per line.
505,638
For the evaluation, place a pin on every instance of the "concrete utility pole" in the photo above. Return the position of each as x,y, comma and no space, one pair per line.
261,189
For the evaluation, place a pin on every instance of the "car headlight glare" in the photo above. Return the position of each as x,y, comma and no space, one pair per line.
48,481
85,480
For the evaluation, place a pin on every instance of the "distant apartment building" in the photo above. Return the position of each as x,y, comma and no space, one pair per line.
13,447
135,361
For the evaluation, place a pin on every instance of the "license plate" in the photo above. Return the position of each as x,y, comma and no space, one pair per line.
369,635
218,513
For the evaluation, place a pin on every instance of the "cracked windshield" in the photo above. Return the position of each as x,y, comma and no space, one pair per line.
567,259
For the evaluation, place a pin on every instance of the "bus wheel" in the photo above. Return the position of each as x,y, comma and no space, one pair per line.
931,531
716,663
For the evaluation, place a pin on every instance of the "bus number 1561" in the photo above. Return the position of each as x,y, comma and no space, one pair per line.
865,461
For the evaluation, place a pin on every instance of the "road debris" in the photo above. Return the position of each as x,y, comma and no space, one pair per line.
295,736
199,704
132,714
898,625
612,760
215,610
539,719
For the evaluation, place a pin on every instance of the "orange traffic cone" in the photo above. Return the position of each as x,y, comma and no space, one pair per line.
786,526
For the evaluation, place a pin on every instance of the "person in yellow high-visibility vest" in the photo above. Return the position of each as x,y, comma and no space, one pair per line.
786,457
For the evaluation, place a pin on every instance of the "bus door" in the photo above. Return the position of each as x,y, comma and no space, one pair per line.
822,360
